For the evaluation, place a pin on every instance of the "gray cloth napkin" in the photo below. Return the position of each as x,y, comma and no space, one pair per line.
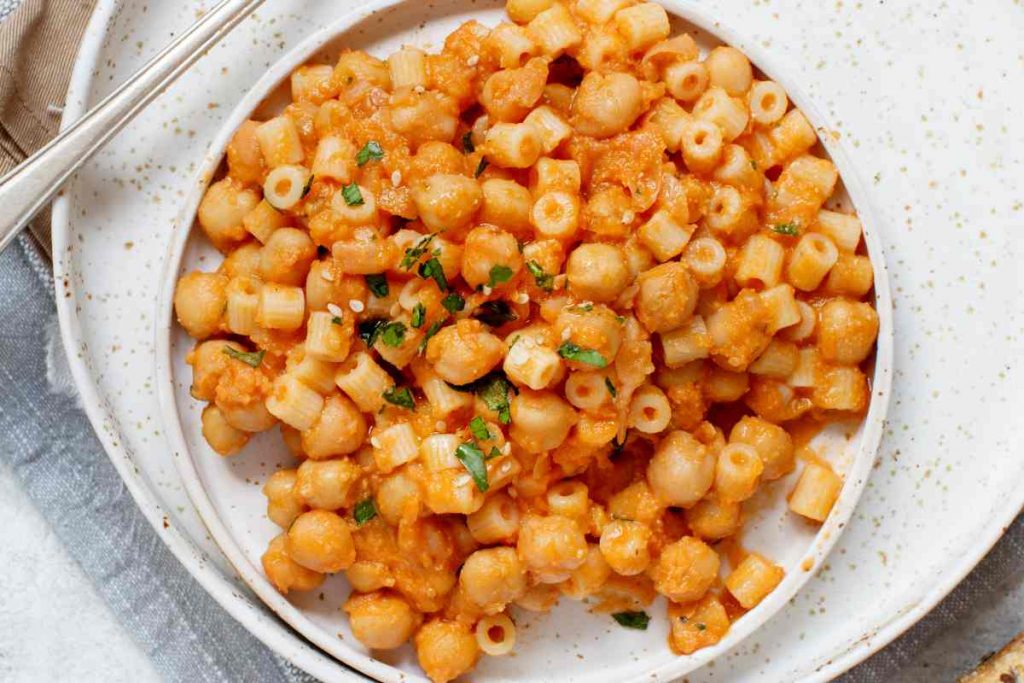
47,441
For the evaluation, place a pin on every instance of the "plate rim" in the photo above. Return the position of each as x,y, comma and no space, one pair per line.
801,571
842,658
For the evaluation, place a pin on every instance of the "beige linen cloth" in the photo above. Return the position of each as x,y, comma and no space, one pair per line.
38,44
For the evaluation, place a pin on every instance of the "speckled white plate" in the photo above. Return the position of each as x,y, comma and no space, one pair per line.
952,429
594,648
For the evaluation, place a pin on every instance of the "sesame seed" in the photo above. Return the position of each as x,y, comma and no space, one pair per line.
628,217
507,448
473,60
463,480
327,274
334,310
522,298
487,290
505,467
440,425
375,442
420,89
566,333
396,178
357,306
396,308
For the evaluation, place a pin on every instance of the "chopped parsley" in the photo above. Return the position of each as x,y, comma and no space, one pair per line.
432,270
371,151
431,331
364,511
352,195
393,334
637,620
582,308
499,274
336,320
370,329
308,186
495,453
479,429
702,627
378,284
467,142
472,458
790,229
582,354
413,254
611,387
544,280
481,167
253,360
495,313
753,164
419,315
401,397
493,390
453,303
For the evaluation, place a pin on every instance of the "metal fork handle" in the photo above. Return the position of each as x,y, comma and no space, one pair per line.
29,187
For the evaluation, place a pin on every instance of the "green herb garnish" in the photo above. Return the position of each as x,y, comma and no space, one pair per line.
493,390
453,303
419,315
481,167
378,284
581,354
432,269
637,620
543,280
364,511
371,151
400,396
702,627
790,229
370,329
472,458
499,274
611,387
413,254
479,429
393,334
253,359
582,308
352,195
336,320
495,453
467,142
495,313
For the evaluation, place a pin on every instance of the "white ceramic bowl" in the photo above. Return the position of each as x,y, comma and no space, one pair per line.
226,492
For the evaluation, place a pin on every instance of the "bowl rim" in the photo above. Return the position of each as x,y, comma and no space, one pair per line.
856,476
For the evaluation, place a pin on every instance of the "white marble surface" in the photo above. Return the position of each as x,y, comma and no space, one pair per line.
53,626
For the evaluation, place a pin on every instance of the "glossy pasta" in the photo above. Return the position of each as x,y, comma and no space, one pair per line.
494,298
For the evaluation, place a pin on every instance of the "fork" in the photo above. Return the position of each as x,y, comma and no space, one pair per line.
32,184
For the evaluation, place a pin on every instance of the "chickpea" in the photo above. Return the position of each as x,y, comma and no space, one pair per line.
241,396
606,104
667,297
597,328
445,649
423,117
208,361
447,201
846,331
685,570
624,544
551,547
199,302
327,484
222,437
437,157
597,272
541,420
321,541
510,94
340,430
729,69
242,262
493,578
682,470
221,212
713,519
487,248
284,573
287,256
506,204
245,158
395,494
284,504
381,621
589,577
464,352
773,444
